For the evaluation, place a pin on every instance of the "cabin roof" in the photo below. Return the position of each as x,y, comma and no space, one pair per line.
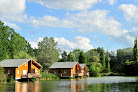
63,65
14,62
82,66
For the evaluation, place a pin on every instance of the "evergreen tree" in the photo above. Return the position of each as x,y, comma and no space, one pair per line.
29,49
103,59
71,57
135,51
64,56
82,58
108,61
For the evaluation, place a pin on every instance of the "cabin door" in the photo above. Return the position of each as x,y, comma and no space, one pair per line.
24,72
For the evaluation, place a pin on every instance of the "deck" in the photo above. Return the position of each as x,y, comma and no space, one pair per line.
31,75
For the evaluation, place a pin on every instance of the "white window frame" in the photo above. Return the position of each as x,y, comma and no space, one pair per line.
18,71
9,71
65,71
55,72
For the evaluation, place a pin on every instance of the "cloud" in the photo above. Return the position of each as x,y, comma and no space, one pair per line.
130,12
12,6
77,42
34,43
67,4
85,22
111,2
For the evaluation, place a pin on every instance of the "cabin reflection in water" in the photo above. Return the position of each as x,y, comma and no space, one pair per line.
78,86
27,87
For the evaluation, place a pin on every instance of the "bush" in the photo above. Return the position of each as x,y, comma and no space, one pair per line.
11,79
2,75
49,75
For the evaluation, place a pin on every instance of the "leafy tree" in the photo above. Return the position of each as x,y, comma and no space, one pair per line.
4,42
77,53
48,53
82,58
71,57
135,51
95,59
92,53
64,56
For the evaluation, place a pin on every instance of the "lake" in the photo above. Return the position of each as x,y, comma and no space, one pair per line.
92,84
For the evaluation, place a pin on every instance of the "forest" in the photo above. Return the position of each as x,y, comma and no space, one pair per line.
99,61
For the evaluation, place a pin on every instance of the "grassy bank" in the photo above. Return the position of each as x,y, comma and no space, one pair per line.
48,76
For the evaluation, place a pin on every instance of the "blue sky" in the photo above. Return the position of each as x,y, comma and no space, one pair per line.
75,24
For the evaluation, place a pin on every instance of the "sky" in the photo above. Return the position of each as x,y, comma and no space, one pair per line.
74,24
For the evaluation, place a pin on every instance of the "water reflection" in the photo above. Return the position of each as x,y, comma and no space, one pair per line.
27,87
101,84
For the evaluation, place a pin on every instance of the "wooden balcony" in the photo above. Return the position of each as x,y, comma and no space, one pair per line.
31,75
78,74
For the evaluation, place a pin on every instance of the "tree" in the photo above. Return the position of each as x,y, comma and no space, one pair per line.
29,49
103,59
2,75
82,58
71,57
108,61
4,42
77,53
48,53
95,59
92,53
64,56
135,51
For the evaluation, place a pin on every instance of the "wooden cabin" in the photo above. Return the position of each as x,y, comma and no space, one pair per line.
84,70
21,68
66,69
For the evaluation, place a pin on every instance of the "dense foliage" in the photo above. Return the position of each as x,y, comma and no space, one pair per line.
47,52
12,44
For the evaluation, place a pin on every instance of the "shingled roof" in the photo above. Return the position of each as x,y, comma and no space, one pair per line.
63,65
13,62
82,66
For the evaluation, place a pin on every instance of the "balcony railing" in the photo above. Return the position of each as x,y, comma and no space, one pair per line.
31,75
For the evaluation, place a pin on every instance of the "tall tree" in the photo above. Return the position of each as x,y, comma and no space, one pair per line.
77,53
108,61
64,56
4,41
29,49
103,58
71,57
135,51
48,53
82,58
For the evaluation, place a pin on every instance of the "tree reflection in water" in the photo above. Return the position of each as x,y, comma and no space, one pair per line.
100,84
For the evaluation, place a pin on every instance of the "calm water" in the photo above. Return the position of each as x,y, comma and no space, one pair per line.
101,84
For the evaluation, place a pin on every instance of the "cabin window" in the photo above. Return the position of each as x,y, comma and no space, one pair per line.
65,71
25,63
17,71
37,71
54,71
8,71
